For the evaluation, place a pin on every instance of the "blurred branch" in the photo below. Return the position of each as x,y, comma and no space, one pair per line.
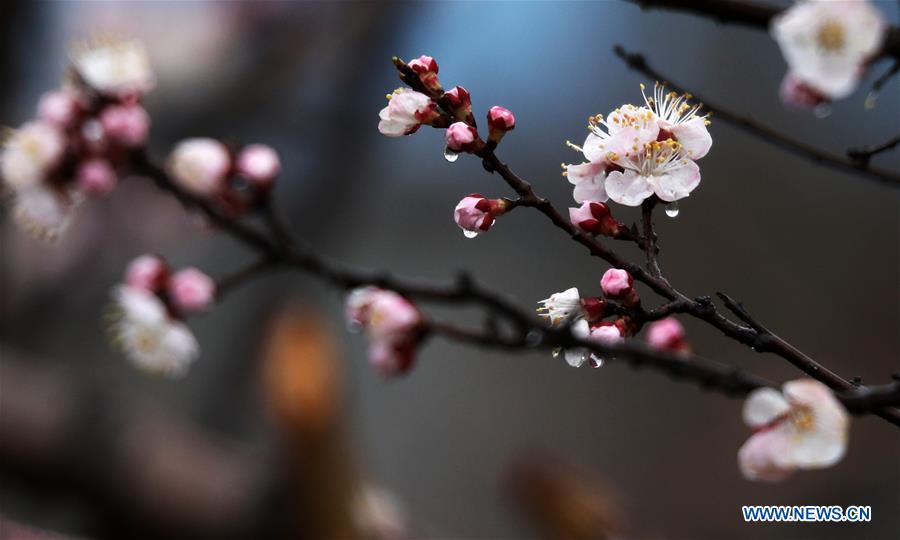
751,14
232,281
771,136
864,154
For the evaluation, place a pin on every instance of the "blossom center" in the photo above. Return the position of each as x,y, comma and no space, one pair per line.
831,36
145,341
802,418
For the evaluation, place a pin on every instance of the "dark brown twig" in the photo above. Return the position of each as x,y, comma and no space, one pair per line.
652,250
864,155
764,133
751,14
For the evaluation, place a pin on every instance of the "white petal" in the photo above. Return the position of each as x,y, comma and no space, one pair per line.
677,183
42,212
593,189
756,458
764,405
694,136
628,188
595,148
392,128
822,446
824,442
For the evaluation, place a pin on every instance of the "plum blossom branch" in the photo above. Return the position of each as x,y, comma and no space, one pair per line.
752,14
530,333
637,62
701,307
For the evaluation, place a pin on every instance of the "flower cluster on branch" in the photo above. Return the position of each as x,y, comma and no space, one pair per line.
94,131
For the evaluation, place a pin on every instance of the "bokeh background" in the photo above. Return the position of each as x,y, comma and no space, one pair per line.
812,252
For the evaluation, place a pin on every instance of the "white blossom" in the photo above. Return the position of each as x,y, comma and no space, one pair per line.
561,306
29,153
826,44
115,67
802,427
149,336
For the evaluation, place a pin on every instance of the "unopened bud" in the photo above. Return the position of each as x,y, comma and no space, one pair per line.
500,121
148,273
59,108
96,177
595,218
796,93
667,334
476,214
259,164
127,125
618,285
191,290
427,69
461,137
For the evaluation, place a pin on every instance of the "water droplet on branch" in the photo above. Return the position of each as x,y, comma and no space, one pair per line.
871,100
822,110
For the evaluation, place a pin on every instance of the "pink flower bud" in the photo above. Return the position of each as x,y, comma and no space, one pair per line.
96,176
500,121
392,323
200,166
608,333
127,125
667,334
476,213
595,218
796,93
147,272
427,69
616,283
259,164
424,64
58,108
461,137
191,290
460,101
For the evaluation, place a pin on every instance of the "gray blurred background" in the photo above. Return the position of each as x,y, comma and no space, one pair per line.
812,252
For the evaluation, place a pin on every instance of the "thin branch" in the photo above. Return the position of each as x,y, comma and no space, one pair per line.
864,155
652,250
885,77
276,223
764,133
750,14
230,282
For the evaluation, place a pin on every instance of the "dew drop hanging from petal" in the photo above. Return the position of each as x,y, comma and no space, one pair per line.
450,155
470,234
672,209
